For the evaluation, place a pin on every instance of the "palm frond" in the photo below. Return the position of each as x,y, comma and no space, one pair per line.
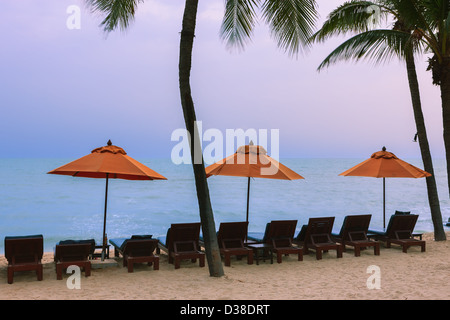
119,13
238,22
376,45
291,22
434,11
352,16
437,15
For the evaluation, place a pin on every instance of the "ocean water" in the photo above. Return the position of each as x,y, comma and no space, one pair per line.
64,207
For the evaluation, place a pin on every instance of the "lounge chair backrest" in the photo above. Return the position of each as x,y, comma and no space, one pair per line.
354,223
24,249
405,222
281,229
140,247
90,241
183,232
72,252
316,226
232,231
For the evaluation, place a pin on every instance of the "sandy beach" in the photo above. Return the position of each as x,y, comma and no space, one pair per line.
403,276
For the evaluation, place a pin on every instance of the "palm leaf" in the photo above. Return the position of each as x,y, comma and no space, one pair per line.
352,16
291,22
376,45
119,13
238,22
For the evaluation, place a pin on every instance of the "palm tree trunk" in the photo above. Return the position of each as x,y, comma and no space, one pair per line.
444,82
433,198
204,202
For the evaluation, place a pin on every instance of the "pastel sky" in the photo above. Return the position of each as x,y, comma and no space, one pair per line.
65,92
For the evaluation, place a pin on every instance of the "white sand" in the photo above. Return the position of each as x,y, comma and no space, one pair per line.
412,275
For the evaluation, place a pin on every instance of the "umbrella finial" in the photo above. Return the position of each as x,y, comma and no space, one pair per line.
251,142
109,143
384,148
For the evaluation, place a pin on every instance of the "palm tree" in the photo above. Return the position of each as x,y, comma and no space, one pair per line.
432,27
290,22
382,44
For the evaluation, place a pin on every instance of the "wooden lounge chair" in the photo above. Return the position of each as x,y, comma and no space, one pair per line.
316,235
24,254
182,243
354,233
73,254
231,237
280,234
277,238
138,249
399,231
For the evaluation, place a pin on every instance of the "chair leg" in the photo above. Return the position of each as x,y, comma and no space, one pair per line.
318,254
376,249
250,257
130,267
39,272
357,251
10,275
87,270
58,272
202,260
227,259
156,264
279,257
339,251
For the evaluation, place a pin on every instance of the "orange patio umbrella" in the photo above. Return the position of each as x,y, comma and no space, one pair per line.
108,162
251,161
384,164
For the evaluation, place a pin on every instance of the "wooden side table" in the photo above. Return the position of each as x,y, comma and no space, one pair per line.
265,248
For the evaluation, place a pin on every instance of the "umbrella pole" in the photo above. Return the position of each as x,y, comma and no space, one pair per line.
248,196
384,203
248,200
104,219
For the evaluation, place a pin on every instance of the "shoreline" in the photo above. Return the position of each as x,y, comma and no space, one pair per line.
414,276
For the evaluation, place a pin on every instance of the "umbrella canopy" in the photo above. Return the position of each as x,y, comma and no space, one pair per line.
251,161
108,162
384,164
